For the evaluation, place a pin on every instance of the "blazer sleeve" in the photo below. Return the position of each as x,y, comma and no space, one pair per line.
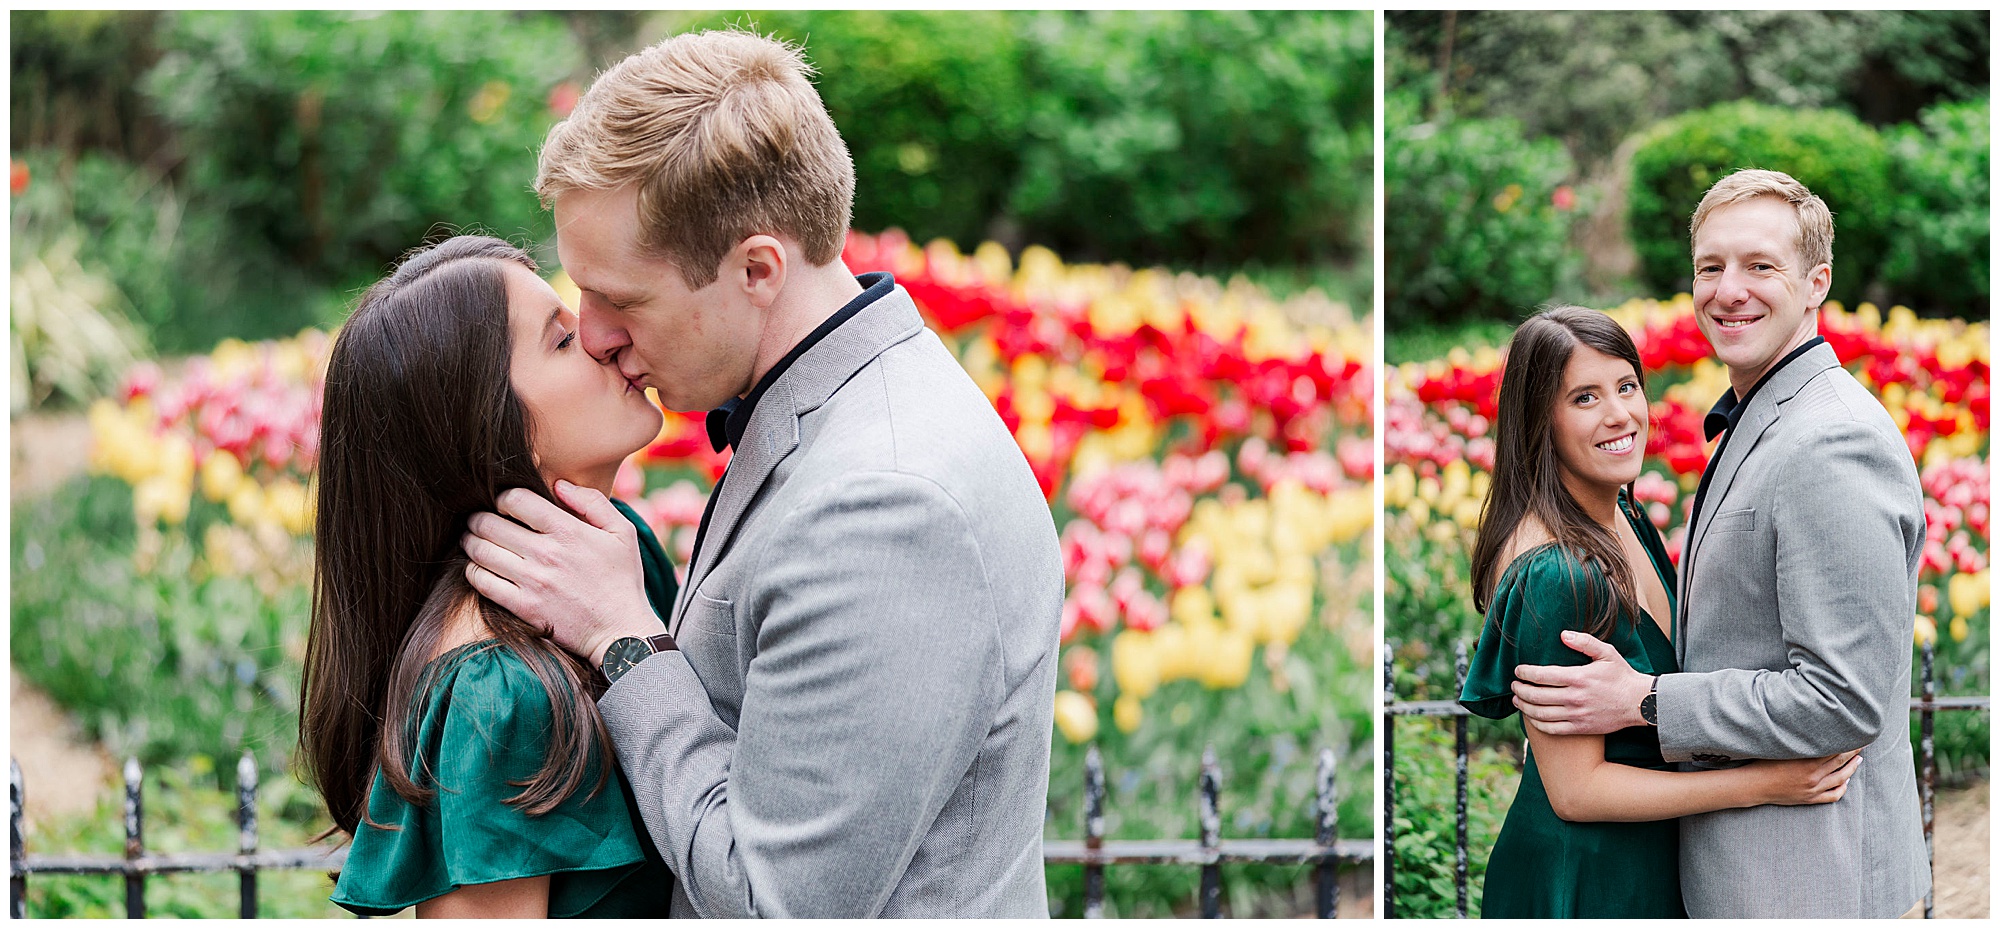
876,674
1848,526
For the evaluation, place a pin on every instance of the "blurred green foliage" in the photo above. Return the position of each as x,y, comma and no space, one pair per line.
1591,78
248,173
1940,234
1832,153
1856,97
161,665
338,139
1477,224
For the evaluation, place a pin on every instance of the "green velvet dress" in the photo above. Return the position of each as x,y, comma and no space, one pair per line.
483,721
1542,866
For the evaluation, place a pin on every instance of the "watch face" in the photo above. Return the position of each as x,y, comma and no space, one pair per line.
623,655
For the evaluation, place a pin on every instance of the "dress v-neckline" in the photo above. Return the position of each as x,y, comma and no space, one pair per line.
1666,583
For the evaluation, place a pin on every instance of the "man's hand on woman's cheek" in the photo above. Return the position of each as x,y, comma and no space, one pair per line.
578,578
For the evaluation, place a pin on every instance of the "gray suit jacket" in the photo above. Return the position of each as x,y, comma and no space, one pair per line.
1798,598
858,720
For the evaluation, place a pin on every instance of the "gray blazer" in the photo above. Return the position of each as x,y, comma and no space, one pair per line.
859,717
1798,598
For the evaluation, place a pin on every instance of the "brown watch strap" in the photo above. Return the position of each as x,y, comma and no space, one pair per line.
662,643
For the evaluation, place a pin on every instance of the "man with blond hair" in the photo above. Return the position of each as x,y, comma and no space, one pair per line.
1798,589
849,711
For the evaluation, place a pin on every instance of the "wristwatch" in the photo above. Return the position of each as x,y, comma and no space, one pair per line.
626,653
1649,707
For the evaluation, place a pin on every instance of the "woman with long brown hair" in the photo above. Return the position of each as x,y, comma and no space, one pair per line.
1563,549
457,745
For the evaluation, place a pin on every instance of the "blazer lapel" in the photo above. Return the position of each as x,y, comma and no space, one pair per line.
773,432
1757,418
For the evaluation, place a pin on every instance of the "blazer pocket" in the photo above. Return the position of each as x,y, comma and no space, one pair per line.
709,615
1734,521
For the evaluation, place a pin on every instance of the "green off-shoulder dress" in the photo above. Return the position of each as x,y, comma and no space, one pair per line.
1542,866
483,721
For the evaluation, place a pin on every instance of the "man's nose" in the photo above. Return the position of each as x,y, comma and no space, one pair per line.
1730,289
601,338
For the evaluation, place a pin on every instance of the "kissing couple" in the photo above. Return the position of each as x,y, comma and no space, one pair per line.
511,705
1732,743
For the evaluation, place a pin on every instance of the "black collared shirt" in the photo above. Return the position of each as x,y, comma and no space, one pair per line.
1728,409
727,422
1721,420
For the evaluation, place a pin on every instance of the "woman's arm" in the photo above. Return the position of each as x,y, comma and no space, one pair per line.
520,898
1583,787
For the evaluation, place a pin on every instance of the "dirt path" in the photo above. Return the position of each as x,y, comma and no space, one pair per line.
1962,853
62,773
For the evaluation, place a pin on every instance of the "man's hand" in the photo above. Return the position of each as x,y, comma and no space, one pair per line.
1594,699
579,579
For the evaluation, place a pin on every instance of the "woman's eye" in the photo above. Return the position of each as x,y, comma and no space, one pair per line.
1627,387
1585,398
566,339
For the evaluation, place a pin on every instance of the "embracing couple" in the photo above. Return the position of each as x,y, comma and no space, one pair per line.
1786,638
512,706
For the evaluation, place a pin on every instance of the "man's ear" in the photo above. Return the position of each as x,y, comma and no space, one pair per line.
759,265
1819,281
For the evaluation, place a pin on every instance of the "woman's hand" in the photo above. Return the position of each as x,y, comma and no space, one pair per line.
1806,781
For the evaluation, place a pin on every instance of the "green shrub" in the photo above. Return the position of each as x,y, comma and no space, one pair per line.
339,139
1474,227
930,103
1832,153
1938,243
1426,827
185,273
1198,137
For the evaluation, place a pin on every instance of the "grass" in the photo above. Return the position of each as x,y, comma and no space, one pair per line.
1405,342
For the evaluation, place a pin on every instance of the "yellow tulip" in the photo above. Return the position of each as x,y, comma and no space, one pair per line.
1926,631
219,475
1127,714
286,505
1191,605
1229,666
1134,663
1076,716
1420,512
246,504
1959,627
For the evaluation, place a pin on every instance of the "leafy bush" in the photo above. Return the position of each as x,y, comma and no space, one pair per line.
1199,137
1832,153
71,336
1938,241
339,139
1478,219
1426,828
177,265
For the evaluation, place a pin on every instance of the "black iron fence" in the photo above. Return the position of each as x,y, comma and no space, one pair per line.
1926,706
1210,852
1325,851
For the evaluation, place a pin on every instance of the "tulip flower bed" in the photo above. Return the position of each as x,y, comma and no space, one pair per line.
1932,375
1208,460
